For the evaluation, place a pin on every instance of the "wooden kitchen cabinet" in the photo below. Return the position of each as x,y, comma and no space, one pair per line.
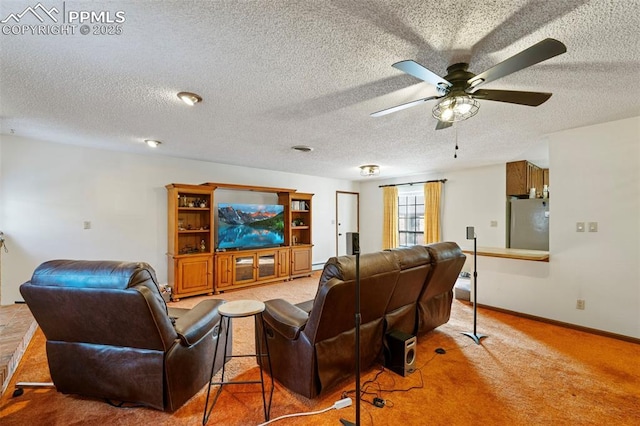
522,176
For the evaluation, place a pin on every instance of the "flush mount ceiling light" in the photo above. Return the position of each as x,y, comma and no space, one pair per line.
152,143
369,170
455,108
302,148
189,98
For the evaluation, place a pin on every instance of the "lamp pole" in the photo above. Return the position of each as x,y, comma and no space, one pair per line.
353,247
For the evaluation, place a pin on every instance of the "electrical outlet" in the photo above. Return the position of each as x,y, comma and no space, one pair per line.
87,224
579,226
494,223
580,304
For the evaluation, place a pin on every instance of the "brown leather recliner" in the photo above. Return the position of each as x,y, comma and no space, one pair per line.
434,303
415,266
312,351
109,334
312,344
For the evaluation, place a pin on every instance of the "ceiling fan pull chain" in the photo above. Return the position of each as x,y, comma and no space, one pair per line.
455,152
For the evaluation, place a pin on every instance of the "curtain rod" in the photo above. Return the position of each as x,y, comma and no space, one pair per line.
413,183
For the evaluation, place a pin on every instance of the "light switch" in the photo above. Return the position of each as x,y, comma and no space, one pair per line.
579,226
593,226
494,223
87,224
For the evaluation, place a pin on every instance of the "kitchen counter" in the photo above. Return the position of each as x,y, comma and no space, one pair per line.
509,253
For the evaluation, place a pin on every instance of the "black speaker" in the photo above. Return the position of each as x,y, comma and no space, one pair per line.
400,353
353,243
470,233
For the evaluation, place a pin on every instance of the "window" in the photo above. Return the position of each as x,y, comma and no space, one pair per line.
411,218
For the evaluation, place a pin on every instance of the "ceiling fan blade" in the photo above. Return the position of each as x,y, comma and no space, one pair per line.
546,49
418,71
512,96
443,125
403,106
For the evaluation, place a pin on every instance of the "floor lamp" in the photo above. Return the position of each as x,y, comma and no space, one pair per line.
475,336
353,247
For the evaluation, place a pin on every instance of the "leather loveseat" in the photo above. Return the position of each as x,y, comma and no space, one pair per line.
312,344
109,333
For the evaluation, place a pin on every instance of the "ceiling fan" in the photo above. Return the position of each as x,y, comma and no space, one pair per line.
459,88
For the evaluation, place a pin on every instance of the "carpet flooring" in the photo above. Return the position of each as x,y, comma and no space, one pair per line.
524,373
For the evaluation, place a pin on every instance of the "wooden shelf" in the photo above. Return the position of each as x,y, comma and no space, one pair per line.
190,273
508,253
215,185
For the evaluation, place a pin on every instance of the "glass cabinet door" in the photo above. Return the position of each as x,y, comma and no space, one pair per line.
266,265
244,268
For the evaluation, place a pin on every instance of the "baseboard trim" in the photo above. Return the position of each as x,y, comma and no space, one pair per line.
561,324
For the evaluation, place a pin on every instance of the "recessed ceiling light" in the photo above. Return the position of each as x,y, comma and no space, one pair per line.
189,98
302,148
152,143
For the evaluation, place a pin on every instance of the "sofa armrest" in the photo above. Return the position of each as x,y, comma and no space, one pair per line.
306,306
285,318
198,321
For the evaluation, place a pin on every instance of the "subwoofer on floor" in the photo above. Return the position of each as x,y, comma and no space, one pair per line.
400,352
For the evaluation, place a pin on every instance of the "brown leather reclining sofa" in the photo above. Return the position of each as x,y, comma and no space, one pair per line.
312,344
110,335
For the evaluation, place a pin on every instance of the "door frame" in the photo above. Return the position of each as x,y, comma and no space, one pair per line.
357,194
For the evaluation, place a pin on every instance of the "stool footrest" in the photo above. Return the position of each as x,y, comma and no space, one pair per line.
236,382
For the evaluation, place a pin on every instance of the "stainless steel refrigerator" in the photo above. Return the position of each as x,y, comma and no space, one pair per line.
529,227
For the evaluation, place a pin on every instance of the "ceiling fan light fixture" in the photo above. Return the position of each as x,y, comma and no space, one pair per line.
369,170
190,98
456,108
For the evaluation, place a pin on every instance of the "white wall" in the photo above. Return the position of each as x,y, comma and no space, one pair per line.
472,197
595,177
49,190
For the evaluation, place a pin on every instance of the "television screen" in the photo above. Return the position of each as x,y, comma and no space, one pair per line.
243,226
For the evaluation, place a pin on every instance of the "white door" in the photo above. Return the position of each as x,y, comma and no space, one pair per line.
347,208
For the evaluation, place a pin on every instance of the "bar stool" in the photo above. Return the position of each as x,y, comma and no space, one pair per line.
240,309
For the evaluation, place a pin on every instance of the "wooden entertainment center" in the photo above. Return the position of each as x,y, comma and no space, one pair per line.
196,267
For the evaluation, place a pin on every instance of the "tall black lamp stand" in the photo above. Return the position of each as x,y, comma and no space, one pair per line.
475,336
353,247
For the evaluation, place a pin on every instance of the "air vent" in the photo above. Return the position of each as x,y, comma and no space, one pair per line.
302,148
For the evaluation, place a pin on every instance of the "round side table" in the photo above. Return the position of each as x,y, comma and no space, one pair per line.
241,309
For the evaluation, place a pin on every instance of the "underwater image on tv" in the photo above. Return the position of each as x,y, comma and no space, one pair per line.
250,225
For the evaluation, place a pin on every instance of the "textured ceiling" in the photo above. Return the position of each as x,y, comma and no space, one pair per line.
274,74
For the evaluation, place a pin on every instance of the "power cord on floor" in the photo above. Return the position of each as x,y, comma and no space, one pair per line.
377,400
344,402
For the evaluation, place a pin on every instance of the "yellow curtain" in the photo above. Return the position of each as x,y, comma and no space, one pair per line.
432,195
390,217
